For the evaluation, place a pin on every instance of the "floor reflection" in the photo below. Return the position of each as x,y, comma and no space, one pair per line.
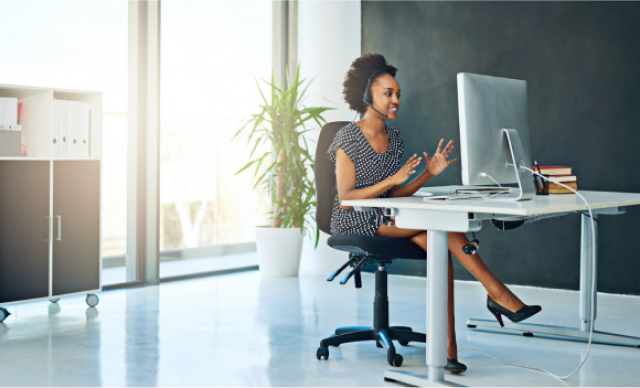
141,337
280,309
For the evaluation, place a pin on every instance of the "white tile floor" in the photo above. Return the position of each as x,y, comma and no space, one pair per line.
172,268
240,330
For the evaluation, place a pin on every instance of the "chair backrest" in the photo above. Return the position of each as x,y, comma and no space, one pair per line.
325,175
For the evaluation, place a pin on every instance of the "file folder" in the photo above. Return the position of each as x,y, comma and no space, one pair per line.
64,128
74,128
84,129
55,129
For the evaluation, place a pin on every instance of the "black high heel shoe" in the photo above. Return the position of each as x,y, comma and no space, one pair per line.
454,366
518,316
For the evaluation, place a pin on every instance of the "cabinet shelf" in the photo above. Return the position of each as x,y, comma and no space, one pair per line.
37,117
32,158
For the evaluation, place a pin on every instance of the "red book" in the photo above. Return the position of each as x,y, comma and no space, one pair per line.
19,112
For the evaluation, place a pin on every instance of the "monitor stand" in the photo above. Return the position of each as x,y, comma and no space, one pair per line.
525,190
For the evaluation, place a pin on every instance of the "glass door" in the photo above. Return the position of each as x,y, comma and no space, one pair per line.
212,52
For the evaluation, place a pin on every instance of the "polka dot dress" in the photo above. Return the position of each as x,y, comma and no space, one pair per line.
371,168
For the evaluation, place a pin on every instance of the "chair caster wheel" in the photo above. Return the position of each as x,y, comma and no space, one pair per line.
396,361
472,326
403,343
92,300
322,352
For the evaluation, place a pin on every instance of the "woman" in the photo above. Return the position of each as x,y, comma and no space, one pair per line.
367,155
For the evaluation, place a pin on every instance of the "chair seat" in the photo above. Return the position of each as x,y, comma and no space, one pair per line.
384,247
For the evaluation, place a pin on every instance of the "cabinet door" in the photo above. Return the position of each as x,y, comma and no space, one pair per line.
24,230
76,231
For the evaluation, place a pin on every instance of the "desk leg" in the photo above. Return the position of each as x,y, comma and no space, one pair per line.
586,271
437,297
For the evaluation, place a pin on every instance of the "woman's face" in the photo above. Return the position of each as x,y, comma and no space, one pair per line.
386,95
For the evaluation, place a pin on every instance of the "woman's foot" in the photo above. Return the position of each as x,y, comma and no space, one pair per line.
518,316
454,366
508,300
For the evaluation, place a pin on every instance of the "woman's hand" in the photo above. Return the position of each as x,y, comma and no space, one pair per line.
405,171
439,162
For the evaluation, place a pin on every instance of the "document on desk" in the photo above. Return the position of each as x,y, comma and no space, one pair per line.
453,197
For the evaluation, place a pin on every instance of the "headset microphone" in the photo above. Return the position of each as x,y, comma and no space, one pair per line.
368,100
371,106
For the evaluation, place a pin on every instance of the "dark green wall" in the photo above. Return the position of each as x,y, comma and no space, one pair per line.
582,65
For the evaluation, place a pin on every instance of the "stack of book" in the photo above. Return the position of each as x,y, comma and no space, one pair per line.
559,174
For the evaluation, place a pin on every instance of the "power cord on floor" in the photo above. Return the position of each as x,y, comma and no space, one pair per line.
593,285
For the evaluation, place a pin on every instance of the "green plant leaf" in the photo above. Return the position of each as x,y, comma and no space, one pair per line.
283,121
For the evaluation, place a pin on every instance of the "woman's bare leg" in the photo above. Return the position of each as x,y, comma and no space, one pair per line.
452,345
395,232
474,264
420,237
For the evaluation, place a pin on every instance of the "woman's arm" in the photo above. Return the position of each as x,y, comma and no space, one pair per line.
346,177
410,188
434,166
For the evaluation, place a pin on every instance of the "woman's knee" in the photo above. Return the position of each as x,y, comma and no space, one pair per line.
421,235
458,237
420,239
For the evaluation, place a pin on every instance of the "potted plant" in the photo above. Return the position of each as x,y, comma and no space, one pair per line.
281,124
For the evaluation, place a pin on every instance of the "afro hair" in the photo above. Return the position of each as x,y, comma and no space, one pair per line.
356,79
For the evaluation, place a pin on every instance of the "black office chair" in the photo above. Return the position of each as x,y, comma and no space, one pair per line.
362,250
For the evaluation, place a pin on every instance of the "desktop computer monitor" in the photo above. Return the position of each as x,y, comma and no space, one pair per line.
494,131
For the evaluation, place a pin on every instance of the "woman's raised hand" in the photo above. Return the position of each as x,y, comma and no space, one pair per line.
405,171
439,162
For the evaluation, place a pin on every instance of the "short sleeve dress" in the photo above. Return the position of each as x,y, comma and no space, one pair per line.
371,168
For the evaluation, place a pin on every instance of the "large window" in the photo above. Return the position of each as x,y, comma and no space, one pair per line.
211,52
79,45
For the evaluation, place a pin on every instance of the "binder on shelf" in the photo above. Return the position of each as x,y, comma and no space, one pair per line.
55,129
64,128
84,129
11,111
50,123
9,114
78,129
74,128
90,112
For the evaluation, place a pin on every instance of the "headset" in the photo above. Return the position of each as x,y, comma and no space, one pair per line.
367,99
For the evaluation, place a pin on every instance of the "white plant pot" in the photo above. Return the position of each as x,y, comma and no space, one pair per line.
279,251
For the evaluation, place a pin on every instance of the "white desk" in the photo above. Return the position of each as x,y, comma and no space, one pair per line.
440,217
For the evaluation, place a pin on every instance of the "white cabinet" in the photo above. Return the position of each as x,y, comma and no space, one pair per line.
49,229
50,205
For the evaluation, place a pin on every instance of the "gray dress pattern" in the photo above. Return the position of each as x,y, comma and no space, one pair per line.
371,168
